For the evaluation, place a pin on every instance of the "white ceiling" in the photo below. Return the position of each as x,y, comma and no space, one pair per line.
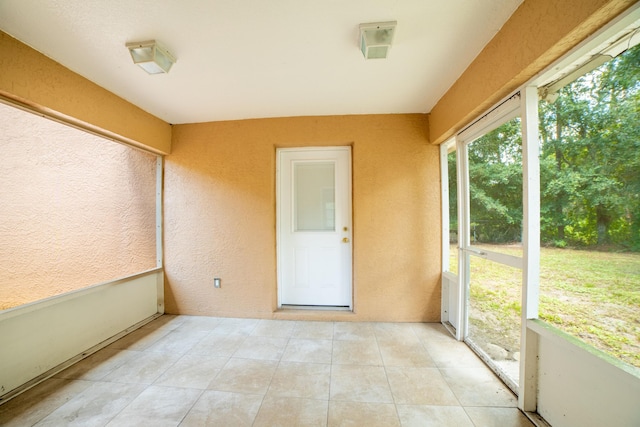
241,59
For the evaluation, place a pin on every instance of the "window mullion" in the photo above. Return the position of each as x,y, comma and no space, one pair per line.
528,385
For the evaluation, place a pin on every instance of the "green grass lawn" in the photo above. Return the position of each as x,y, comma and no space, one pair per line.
592,295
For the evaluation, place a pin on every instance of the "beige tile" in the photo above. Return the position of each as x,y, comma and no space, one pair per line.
245,376
287,411
356,352
38,402
199,323
98,365
305,350
347,331
356,414
96,406
145,368
306,380
478,387
401,333
262,348
432,332
433,416
419,386
503,417
218,408
192,371
157,406
313,330
140,339
181,355
273,328
236,326
166,322
178,341
218,345
452,354
400,354
359,384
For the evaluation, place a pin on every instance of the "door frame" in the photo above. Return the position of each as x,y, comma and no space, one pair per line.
508,109
349,189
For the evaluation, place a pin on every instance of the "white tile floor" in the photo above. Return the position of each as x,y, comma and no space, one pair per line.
202,371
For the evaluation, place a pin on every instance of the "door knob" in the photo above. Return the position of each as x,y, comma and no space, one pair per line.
345,240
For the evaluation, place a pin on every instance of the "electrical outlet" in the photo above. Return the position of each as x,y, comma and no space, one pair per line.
216,282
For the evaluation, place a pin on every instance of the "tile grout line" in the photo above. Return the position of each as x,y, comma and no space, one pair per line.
386,375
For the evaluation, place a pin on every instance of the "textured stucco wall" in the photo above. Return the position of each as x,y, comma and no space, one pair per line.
220,214
538,33
29,77
75,209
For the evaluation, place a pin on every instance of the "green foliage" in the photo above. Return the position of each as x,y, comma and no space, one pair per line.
590,158
495,172
589,166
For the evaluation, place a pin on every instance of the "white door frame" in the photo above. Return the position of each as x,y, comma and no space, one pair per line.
279,224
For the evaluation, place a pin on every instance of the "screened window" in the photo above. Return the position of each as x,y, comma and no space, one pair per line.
75,209
590,208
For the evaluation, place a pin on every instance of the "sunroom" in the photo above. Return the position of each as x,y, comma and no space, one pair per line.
224,225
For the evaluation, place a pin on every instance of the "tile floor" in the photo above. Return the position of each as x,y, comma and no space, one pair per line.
202,371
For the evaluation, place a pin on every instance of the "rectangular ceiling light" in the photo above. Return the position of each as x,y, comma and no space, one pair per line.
376,38
151,57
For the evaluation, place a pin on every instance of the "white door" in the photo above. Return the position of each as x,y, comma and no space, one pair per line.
314,226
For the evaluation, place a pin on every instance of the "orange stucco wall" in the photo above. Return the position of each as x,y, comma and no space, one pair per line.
30,78
220,215
75,209
538,33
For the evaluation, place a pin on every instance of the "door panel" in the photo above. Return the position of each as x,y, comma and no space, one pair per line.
491,244
314,227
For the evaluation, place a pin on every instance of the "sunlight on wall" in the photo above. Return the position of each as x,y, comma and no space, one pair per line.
75,209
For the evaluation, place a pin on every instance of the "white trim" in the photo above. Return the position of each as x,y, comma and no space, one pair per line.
444,205
444,209
278,229
76,293
462,172
506,259
159,248
528,383
583,51
160,230
495,117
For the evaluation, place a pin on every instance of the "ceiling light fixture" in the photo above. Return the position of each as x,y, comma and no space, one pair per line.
151,57
376,38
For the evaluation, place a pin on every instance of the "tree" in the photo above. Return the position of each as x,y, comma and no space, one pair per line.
590,183
495,181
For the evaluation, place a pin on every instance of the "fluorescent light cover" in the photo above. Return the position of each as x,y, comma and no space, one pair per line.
151,57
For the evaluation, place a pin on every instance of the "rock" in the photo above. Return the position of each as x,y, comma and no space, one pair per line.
516,355
495,352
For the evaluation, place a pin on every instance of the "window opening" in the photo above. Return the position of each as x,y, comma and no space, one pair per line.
76,209
590,206
494,250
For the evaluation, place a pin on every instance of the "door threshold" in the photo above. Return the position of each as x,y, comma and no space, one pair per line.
314,313
314,307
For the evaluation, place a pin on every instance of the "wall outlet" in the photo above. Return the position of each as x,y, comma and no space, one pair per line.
216,282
